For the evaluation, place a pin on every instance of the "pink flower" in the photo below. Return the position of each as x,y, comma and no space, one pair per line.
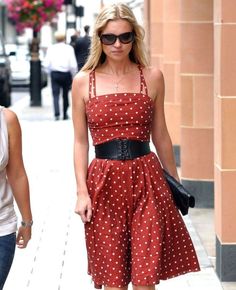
48,3
32,13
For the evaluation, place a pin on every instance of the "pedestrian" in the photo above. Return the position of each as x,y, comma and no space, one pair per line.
82,47
13,187
74,38
61,63
134,231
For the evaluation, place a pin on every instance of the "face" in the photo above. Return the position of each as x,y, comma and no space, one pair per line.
122,46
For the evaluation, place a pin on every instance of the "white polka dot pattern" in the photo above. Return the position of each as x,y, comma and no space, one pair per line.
136,233
119,115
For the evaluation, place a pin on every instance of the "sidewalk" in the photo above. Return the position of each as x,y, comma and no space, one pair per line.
56,257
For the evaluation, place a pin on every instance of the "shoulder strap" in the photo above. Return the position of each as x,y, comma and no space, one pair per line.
143,85
92,84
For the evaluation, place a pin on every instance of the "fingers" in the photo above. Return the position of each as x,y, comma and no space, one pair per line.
23,237
89,214
85,215
84,209
21,243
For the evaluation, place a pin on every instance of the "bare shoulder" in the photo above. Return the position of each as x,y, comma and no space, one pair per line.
81,78
10,116
155,81
11,120
80,86
153,74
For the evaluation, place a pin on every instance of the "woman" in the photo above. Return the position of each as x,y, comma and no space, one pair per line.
134,231
13,185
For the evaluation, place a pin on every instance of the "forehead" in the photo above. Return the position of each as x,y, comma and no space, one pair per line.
117,26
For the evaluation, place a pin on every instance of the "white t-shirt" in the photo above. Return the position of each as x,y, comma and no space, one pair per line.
8,219
61,57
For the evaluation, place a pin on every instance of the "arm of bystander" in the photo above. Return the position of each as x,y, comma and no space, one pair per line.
17,178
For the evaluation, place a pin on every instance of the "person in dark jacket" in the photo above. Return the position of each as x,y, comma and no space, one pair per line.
74,38
82,47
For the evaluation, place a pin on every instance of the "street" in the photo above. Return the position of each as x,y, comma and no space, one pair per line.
18,94
57,245
55,258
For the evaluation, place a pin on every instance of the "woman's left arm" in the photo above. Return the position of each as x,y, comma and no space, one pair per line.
17,177
160,136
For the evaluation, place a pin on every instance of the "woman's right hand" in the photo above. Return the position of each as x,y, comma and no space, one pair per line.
84,207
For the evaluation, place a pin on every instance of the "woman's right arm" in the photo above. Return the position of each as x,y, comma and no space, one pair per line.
81,146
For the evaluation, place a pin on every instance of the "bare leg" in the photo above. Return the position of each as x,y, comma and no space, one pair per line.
144,287
114,288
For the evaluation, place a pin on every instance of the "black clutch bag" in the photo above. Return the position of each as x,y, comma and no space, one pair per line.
182,198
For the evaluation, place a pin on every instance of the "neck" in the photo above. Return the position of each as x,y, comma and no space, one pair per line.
117,69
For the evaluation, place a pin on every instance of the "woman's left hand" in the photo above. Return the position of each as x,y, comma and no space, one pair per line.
23,237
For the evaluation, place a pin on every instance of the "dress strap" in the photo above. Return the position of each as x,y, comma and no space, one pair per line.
143,85
92,84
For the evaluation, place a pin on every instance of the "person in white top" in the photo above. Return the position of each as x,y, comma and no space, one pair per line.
60,62
13,186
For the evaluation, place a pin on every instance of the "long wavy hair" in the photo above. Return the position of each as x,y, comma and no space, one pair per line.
109,13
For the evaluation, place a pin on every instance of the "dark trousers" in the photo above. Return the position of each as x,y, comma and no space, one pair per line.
60,80
7,251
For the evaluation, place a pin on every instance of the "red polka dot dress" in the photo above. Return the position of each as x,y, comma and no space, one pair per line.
136,233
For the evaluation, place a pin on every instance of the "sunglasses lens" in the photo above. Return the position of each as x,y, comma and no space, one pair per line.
126,37
108,39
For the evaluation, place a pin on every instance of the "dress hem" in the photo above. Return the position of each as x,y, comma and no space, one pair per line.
98,285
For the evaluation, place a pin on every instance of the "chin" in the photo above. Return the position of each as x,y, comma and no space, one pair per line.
118,55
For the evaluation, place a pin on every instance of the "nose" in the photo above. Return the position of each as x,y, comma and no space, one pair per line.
117,42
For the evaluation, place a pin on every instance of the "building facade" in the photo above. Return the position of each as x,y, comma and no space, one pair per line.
193,42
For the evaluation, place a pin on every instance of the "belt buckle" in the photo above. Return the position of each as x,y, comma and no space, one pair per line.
123,149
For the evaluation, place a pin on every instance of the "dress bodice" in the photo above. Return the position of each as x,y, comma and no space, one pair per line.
119,115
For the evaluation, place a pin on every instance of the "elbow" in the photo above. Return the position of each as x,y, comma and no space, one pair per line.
16,180
161,141
81,145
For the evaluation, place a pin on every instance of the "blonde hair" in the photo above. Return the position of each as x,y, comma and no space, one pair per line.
109,13
59,36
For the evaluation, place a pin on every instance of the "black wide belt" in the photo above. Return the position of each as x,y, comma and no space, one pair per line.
122,149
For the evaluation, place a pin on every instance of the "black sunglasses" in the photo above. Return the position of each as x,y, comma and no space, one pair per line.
109,39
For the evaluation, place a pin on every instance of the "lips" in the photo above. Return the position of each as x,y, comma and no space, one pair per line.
117,51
